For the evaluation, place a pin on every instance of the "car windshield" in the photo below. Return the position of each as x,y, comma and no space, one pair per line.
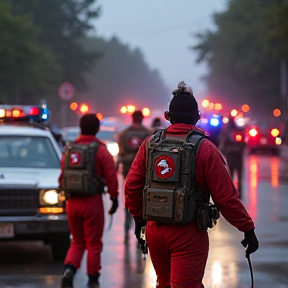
107,135
28,151
71,133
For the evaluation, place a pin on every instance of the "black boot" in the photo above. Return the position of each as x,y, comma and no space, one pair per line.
67,278
93,281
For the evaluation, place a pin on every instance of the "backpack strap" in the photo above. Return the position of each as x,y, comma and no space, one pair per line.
158,135
94,146
195,139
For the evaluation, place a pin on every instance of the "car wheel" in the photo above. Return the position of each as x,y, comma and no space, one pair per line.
60,243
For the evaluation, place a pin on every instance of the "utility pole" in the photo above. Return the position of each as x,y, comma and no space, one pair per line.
284,97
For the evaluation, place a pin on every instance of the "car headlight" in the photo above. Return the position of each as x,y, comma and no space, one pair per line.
113,148
50,197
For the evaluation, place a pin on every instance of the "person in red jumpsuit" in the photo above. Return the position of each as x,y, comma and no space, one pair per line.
129,142
86,213
179,251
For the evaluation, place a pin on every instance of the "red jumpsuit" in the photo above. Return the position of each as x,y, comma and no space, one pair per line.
86,213
179,252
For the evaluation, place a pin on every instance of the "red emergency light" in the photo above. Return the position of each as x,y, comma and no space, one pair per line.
24,113
34,111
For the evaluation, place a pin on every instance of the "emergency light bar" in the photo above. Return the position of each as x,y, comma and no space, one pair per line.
24,113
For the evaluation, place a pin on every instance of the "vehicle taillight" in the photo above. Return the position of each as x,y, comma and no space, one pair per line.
278,141
146,112
84,108
238,137
275,132
253,132
99,116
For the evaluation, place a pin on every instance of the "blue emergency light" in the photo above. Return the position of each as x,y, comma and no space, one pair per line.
214,122
24,113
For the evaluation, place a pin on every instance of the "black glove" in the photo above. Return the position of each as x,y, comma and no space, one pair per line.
250,241
114,205
142,242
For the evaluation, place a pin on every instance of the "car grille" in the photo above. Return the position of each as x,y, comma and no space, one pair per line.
14,202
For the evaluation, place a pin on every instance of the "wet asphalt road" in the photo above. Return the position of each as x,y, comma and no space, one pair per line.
30,264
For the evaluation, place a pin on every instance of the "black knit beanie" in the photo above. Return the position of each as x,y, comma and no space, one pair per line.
137,117
89,124
183,107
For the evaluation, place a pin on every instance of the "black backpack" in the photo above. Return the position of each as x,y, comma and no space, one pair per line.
79,175
171,193
133,138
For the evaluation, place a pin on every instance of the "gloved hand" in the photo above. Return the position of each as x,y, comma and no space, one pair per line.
250,241
114,205
142,242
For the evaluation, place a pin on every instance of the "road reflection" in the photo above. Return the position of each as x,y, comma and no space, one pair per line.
150,274
216,274
275,171
268,169
223,275
253,185
222,269
30,264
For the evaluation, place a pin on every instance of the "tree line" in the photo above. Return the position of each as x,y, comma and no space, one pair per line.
247,54
45,43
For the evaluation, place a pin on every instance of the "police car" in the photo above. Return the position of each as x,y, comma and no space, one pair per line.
31,205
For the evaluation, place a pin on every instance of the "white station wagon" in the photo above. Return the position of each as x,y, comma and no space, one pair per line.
31,205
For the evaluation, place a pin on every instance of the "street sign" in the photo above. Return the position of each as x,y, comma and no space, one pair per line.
66,91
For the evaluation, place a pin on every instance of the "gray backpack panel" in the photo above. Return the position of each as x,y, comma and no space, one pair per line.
79,175
134,138
171,192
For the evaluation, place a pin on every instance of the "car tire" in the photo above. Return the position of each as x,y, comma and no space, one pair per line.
60,244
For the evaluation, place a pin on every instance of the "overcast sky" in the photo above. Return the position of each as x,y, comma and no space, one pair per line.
163,30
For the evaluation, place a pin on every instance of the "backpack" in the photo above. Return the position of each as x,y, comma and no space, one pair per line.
171,193
133,138
79,175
